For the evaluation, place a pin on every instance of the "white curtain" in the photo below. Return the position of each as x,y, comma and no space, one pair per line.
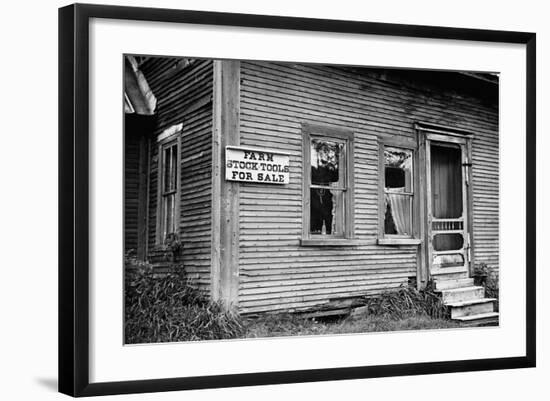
400,212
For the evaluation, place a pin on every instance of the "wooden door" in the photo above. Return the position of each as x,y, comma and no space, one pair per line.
448,239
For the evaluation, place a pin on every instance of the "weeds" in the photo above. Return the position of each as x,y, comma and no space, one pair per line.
406,302
404,309
168,308
492,290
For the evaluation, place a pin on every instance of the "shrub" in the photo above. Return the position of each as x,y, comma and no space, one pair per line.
480,274
167,308
406,302
492,289
483,276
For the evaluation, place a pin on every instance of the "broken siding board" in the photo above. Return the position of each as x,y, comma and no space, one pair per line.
300,302
325,290
314,288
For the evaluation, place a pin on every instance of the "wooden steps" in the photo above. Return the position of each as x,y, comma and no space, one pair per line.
482,319
471,308
466,301
462,294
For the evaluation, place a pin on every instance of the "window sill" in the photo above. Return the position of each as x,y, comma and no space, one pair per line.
333,242
399,241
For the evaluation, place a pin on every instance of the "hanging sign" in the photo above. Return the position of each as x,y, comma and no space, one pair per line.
256,165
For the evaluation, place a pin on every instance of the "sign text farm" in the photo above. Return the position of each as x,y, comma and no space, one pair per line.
256,165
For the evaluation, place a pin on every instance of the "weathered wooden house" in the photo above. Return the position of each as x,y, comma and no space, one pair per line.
290,187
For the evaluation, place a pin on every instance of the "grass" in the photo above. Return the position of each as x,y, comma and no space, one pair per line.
404,309
295,325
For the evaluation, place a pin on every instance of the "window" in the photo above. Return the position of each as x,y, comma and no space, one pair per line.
167,220
328,188
398,191
397,202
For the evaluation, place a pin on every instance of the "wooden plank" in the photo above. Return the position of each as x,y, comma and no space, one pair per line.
217,177
226,241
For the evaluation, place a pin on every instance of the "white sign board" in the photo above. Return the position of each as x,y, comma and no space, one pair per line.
256,165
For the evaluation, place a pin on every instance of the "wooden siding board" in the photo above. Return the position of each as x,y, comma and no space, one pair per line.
276,99
177,92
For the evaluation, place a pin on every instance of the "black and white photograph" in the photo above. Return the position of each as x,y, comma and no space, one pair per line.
279,200
274,199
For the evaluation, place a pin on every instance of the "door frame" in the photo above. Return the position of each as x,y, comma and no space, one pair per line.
426,134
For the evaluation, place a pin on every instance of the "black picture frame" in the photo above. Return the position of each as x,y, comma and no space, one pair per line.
74,198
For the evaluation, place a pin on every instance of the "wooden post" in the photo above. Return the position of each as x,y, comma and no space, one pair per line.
422,272
470,203
225,194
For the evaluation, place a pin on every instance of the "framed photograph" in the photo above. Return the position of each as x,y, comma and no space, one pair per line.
252,199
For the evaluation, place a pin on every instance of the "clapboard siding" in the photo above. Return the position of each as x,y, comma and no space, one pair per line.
275,272
184,94
131,192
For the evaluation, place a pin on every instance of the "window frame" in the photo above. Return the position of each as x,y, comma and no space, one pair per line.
397,239
164,142
314,131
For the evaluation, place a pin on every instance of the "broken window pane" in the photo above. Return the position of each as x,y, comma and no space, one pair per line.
397,217
327,211
398,169
328,186
325,161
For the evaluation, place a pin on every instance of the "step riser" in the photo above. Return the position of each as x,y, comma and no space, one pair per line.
481,322
449,276
480,317
447,284
461,296
471,309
